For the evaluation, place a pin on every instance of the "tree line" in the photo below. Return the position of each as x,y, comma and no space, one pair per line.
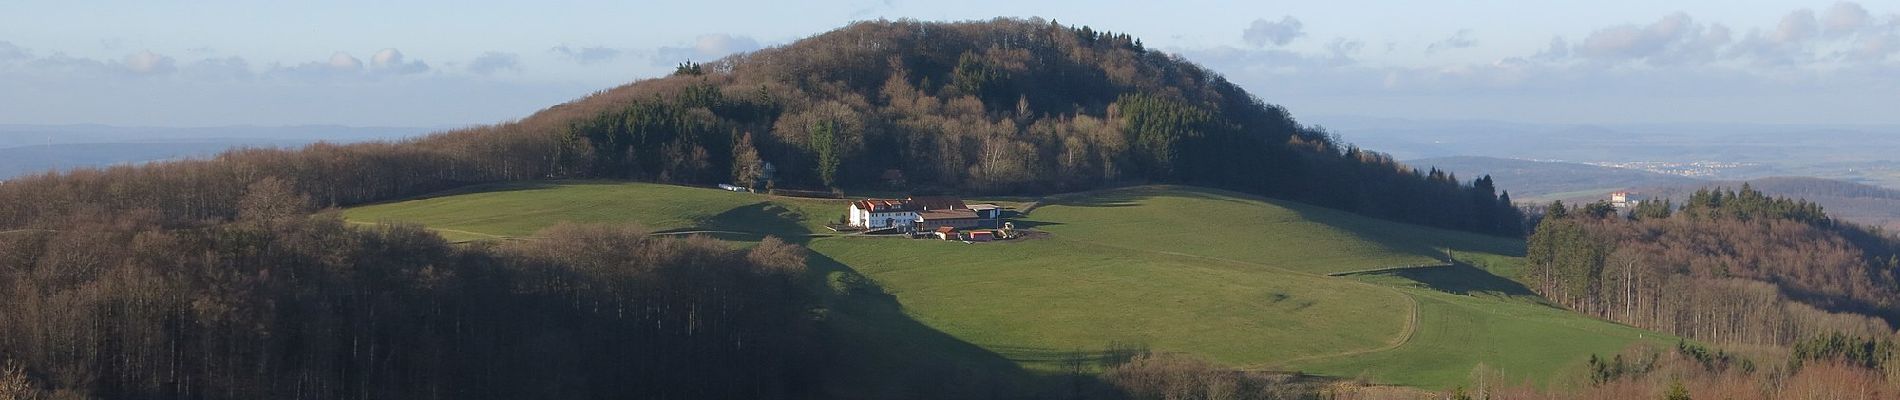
278,304
1823,367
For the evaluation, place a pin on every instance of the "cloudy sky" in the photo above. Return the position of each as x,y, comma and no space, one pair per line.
431,63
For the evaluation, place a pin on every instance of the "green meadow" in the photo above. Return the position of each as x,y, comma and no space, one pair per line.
1239,280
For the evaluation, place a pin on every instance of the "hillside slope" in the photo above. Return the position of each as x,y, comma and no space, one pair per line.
1215,274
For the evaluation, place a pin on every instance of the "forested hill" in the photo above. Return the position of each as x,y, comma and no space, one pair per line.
1733,266
1005,106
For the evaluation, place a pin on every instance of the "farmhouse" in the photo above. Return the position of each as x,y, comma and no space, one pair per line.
883,213
922,214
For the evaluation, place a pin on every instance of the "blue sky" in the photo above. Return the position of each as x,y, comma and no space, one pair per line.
428,63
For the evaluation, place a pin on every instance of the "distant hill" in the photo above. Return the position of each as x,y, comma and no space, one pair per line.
32,149
17,135
1543,181
1859,153
24,160
1860,203
1538,180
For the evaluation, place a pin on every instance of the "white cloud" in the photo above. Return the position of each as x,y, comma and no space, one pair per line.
1559,49
342,61
148,63
493,62
1460,40
391,61
1874,49
340,67
195,88
588,55
219,69
1798,26
1846,18
1276,33
1676,38
706,47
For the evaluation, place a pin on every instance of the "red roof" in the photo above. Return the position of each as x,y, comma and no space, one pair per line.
938,203
932,203
932,215
885,205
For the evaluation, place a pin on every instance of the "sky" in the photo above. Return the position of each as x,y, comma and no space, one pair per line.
454,63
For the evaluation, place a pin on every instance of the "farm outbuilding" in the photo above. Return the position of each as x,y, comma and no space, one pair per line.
982,236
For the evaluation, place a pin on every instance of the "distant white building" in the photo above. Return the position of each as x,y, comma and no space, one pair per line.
1626,199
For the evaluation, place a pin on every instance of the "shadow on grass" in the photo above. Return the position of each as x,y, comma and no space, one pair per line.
1463,279
1415,239
878,351
1403,237
763,218
1133,196
471,189
1031,224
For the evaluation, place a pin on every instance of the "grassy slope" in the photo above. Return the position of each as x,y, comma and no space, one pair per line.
1472,317
1228,225
1220,275
1036,300
518,210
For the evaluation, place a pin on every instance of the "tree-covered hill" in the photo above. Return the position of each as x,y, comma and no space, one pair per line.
208,278
1004,106
1732,266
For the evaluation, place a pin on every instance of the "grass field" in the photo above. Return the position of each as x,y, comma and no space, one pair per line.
1035,299
1222,276
1221,224
1471,317
520,209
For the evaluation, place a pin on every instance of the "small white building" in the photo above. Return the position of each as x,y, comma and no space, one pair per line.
882,213
1626,200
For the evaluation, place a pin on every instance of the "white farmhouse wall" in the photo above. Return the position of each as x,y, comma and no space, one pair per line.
877,220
